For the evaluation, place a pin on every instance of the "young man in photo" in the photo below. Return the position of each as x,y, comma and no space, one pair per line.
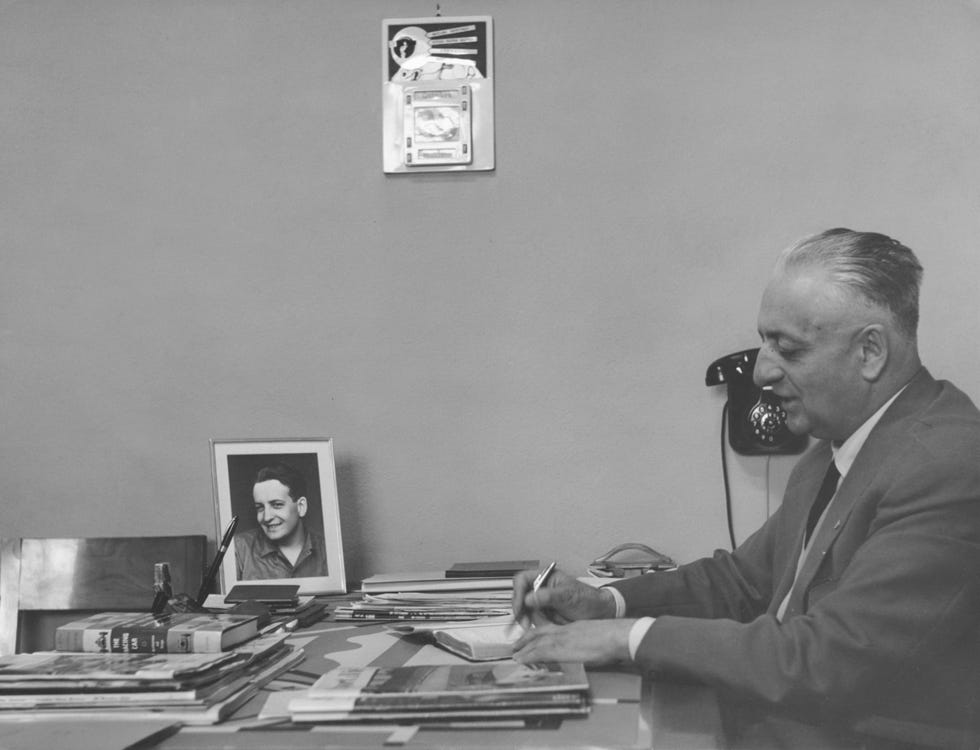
283,546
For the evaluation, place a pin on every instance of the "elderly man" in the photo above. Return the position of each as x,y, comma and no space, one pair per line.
856,607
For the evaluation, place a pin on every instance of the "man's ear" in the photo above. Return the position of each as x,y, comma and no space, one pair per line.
301,506
874,351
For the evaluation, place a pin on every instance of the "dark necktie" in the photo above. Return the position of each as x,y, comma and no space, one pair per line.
827,490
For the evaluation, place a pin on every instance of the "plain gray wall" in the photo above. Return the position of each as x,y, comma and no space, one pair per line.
198,241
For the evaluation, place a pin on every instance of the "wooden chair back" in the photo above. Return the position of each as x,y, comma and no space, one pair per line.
45,582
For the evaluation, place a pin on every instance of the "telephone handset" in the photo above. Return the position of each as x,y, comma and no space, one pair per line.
756,419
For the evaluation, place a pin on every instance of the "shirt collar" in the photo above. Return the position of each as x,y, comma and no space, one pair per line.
846,452
268,547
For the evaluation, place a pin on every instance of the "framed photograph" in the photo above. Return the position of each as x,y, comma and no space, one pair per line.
283,491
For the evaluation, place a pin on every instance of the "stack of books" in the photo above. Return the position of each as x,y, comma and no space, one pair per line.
190,688
461,692
119,665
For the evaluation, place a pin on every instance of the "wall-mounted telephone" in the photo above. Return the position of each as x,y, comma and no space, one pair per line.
756,420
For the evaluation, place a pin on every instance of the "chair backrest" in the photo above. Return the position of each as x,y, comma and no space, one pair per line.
40,577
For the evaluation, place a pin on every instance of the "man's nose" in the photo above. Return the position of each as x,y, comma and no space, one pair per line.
766,371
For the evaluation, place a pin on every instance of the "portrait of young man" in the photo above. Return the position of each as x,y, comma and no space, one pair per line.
280,513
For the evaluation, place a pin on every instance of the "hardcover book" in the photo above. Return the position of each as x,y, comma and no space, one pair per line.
491,569
135,632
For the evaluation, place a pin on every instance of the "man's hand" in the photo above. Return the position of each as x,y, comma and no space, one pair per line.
561,600
593,642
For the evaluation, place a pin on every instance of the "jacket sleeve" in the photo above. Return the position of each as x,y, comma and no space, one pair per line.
899,588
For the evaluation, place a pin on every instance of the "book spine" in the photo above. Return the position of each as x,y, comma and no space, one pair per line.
193,641
143,636
89,639
67,638
180,640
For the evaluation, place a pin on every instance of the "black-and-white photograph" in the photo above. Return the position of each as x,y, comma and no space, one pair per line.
283,493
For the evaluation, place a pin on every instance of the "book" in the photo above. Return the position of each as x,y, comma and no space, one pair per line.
286,595
459,691
138,632
491,569
485,639
431,581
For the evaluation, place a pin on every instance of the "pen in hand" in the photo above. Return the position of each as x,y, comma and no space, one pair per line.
540,580
543,576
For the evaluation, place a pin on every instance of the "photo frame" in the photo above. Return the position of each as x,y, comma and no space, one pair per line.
284,493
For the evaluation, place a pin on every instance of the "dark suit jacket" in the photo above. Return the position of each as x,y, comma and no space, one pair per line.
884,620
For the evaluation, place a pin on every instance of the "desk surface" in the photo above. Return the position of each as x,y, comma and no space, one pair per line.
626,713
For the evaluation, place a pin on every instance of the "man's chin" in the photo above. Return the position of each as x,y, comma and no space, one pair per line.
796,423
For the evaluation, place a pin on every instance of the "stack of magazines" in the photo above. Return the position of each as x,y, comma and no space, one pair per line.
467,692
421,605
193,688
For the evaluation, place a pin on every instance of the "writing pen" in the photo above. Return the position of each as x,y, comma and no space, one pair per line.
543,576
216,563
540,580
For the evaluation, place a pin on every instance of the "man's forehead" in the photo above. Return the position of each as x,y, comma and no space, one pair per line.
799,303
270,488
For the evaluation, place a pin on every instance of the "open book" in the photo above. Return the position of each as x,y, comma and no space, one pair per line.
484,639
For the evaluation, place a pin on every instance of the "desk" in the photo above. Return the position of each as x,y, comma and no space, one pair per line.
627,712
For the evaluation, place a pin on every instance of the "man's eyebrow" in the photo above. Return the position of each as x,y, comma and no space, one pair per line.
781,337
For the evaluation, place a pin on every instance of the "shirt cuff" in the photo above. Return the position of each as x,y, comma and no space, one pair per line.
618,600
637,633
639,628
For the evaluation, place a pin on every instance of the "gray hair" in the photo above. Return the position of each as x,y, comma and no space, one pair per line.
882,271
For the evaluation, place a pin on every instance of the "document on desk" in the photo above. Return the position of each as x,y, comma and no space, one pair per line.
485,639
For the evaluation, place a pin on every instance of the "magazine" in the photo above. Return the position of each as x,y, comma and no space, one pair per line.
445,691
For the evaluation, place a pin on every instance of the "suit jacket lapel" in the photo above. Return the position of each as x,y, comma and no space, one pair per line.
799,507
852,488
